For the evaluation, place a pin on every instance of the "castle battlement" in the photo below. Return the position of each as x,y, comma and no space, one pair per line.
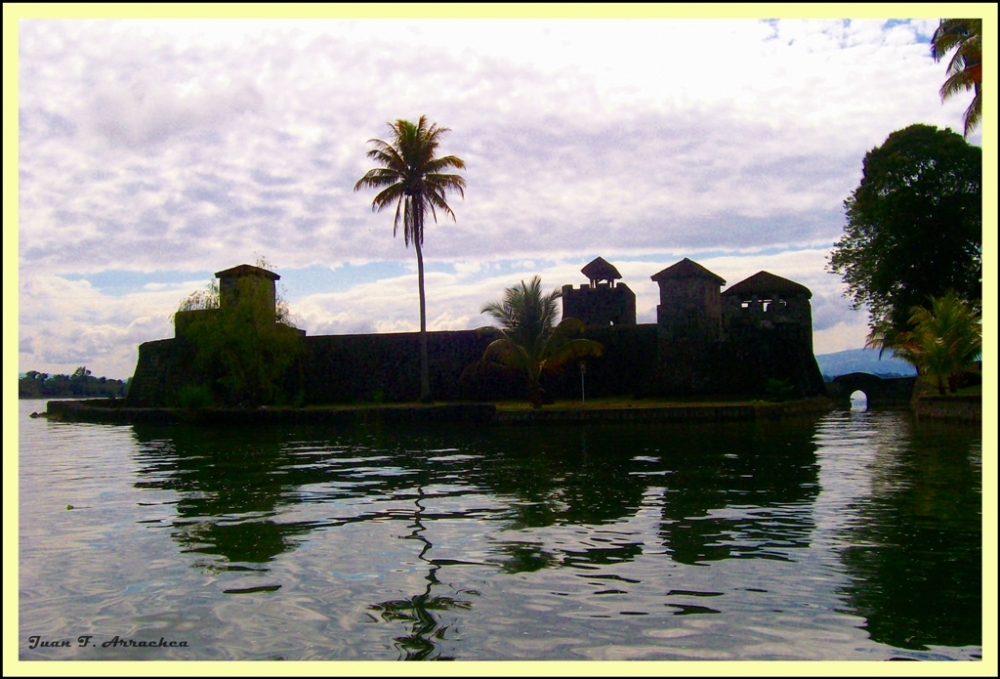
601,301
704,341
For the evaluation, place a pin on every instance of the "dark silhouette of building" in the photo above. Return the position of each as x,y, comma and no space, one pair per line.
602,301
708,341
754,337
690,308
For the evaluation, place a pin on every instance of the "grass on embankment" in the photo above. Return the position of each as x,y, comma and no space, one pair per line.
627,403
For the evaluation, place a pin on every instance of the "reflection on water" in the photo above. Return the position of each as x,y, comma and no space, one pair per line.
752,501
418,610
859,401
856,535
913,546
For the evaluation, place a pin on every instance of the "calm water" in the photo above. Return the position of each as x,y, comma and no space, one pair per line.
851,536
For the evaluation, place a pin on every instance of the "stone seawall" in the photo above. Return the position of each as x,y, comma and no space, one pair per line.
115,412
679,413
107,411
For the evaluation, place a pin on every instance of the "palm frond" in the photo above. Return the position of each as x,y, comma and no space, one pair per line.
965,67
410,176
532,341
944,339
570,350
508,353
974,113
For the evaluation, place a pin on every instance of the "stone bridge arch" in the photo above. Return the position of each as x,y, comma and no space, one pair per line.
882,392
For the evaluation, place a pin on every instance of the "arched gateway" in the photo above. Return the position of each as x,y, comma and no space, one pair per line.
881,392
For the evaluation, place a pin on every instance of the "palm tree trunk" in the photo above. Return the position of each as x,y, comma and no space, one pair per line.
425,373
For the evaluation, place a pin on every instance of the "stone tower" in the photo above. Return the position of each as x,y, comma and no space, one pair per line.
767,320
689,328
770,301
690,307
602,301
229,292
229,283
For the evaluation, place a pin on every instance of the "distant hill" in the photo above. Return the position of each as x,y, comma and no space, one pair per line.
863,361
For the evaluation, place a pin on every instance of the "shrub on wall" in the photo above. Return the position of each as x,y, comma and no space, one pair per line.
242,349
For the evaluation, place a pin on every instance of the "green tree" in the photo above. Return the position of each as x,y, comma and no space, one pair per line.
81,374
30,386
965,70
78,381
242,349
413,180
80,384
914,226
530,340
943,341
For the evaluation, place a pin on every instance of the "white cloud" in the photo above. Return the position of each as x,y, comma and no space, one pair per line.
146,112
152,146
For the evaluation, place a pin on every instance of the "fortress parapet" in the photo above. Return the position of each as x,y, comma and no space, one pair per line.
602,301
769,300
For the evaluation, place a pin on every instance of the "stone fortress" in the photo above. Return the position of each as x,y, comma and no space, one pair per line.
705,342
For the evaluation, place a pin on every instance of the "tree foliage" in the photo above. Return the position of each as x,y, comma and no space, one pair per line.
410,178
243,350
914,226
965,70
943,341
200,300
81,384
531,342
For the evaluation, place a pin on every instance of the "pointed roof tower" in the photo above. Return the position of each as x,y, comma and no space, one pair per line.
765,282
600,270
687,269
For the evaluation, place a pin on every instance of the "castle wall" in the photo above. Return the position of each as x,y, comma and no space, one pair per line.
386,368
164,366
625,368
331,368
349,368
756,353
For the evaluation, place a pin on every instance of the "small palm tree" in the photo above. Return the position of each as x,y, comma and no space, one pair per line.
965,70
413,180
531,342
945,340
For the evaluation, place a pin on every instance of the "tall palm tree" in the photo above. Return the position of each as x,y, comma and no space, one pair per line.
530,340
965,70
415,181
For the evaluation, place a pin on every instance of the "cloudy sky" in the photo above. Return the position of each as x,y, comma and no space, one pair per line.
153,153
